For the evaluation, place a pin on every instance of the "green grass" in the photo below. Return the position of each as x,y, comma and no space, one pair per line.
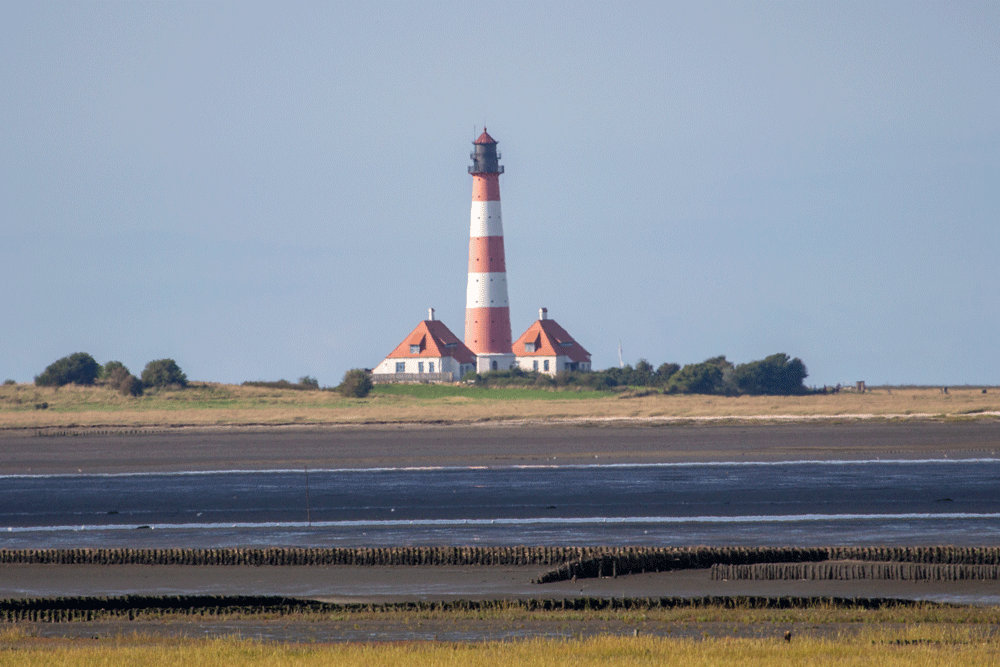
435,391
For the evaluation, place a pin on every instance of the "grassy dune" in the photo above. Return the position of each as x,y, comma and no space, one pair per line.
916,645
209,404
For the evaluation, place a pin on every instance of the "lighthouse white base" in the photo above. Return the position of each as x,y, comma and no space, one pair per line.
501,361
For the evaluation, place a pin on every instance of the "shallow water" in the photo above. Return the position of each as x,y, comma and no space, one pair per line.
799,502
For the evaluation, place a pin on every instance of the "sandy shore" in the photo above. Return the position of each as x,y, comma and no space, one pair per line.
248,448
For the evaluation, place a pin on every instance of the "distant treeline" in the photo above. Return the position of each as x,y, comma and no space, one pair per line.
776,375
82,369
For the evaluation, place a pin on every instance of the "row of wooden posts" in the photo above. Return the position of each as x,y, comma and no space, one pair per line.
852,570
564,562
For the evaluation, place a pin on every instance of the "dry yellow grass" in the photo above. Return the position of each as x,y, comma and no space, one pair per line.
920,645
207,404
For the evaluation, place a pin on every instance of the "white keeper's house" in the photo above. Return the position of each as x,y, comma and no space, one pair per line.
547,348
431,353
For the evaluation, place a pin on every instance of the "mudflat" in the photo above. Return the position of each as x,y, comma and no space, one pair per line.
294,447
374,584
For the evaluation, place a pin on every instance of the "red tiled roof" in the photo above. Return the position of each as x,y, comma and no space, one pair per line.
550,340
435,340
484,138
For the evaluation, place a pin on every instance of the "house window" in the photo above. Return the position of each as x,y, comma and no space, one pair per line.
534,364
420,367
430,366
400,366
414,349
545,364
495,365
529,347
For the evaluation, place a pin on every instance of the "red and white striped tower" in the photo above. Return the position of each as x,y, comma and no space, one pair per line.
487,312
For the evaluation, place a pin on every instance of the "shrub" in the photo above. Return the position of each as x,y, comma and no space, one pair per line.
9,381
356,383
304,383
77,368
109,368
129,385
114,372
708,377
271,384
666,371
544,381
774,375
601,382
163,373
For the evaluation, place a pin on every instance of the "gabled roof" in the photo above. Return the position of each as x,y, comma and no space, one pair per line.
550,340
434,340
484,138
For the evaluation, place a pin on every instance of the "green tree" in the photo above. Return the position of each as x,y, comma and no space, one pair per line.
77,368
643,375
708,377
776,375
110,368
308,382
357,383
114,372
666,371
163,373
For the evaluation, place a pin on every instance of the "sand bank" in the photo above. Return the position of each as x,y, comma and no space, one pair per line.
264,448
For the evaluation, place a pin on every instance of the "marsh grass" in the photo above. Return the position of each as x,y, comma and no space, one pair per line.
211,404
818,614
916,645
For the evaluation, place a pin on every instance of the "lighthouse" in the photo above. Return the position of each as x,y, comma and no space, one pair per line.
487,311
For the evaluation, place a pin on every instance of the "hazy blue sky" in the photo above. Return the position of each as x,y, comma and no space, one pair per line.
265,190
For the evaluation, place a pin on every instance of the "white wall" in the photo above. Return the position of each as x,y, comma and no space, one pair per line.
484,362
410,365
556,364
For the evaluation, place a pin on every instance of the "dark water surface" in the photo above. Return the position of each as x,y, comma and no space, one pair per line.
797,503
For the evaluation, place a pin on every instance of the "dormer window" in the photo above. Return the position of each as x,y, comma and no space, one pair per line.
529,347
414,349
567,343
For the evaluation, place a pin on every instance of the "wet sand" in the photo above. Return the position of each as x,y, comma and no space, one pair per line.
350,584
249,448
